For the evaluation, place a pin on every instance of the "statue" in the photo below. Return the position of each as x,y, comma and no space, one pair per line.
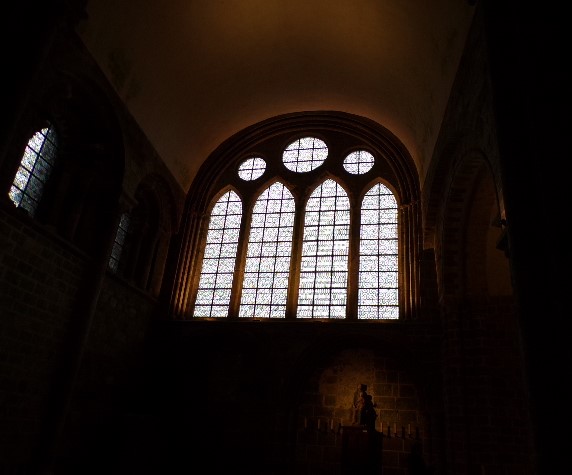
364,412
358,402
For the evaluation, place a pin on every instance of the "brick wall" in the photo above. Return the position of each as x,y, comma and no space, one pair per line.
39,278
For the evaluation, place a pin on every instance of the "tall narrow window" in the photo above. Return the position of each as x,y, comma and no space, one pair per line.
119,243
324,266
215,284
34,171
267,270
378,264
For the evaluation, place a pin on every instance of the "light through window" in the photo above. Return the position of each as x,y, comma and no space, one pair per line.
252,168
215,285
378,262
267,271
324,268
305,154
359,162
305,246
34,171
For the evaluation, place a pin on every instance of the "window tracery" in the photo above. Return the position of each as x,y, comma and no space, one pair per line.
324,225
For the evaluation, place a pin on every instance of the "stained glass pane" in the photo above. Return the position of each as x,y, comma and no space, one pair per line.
269,249
29,159
305,154
34,189
252,168
22,177
215,283
325,247
358,163
35,168
15,194
29,204
42,169
378,269
36,142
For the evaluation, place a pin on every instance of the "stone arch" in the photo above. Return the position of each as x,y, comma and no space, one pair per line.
470,259
396,165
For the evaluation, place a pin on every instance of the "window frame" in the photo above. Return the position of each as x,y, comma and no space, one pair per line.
35,180
394,168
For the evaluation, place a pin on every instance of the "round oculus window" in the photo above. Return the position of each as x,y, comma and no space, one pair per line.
252,168
305,154
359,162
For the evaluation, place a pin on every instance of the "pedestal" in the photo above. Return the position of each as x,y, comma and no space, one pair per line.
362,450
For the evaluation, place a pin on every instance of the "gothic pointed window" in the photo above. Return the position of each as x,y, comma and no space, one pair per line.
378,257
215,284
267,269
34,170
324,266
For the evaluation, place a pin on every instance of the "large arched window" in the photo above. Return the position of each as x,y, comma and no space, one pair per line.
305,225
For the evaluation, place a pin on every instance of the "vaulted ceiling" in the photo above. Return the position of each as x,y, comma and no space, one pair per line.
195,72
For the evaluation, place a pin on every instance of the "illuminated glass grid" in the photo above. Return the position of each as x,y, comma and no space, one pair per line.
252,168
34,171
265,285
304,155
120,236
215,284
378,262
324,265
359,162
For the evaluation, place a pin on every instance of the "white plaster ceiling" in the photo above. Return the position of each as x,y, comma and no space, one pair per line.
195,72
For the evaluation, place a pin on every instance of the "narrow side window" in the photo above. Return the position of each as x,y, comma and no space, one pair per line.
119,244
34,170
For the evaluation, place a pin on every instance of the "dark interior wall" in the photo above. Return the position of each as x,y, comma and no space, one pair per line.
107,395
532,102
72,334
256,390
40,280
487,418
155,395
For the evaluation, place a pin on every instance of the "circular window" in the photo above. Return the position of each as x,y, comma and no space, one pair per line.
305,154
358,163
251,168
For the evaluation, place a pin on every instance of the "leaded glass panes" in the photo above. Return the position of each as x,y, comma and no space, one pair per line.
267,269
269,275
304,155
359,162
215,283
325,247
34,171
378,263
252,168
